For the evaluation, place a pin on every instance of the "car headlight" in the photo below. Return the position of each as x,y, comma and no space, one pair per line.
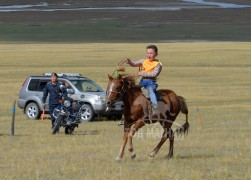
67,103
98,98
103,98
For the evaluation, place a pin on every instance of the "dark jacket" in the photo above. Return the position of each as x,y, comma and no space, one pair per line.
55,93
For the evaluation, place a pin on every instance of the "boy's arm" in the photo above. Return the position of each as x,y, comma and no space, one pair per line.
136,63
155,72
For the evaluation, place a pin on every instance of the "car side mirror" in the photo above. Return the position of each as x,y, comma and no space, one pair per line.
70,91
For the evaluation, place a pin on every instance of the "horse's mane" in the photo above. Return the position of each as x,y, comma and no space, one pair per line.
129,78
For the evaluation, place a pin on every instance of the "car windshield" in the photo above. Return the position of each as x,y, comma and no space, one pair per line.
86,86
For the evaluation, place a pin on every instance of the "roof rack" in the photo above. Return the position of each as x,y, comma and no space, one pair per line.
64,74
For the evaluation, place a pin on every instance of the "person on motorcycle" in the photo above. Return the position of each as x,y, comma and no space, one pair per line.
56,94
150,69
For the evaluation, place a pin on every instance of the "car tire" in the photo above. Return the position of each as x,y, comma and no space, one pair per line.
118,117
32,111
87,113
114,117
109,117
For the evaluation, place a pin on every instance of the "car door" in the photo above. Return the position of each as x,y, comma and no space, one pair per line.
40,91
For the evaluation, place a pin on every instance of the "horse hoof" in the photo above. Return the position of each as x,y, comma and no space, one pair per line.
133,155
169,156
118,159
152,154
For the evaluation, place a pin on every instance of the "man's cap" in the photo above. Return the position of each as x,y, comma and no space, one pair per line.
54,74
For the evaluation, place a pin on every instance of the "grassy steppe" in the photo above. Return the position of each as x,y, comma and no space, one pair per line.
215,76
211,24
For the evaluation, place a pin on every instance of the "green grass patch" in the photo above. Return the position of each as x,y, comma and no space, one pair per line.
123,32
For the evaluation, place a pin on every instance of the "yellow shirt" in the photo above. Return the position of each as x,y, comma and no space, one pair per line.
148,66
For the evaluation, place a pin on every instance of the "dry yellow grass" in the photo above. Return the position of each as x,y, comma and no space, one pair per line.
215,76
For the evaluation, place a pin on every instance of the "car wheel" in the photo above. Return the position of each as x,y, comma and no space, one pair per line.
118,117
109,117
87,113
114,117
32,111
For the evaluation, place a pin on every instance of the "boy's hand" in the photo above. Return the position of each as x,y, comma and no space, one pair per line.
139,73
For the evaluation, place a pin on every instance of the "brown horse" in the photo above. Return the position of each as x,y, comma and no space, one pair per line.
137,112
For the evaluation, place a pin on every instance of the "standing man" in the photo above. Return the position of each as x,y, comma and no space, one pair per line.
53,88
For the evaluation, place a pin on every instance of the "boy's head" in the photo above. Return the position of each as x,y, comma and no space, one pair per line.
151,52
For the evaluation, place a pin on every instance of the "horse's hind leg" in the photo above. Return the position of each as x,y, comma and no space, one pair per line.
133,130
171,140
163,139
168,133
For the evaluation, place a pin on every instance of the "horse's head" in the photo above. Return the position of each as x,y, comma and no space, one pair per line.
115,89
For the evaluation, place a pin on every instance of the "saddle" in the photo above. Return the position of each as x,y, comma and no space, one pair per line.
152,111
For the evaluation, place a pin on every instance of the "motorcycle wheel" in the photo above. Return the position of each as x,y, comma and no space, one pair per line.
69,130
57,124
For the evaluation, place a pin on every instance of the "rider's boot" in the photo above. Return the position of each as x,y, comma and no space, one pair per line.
155,109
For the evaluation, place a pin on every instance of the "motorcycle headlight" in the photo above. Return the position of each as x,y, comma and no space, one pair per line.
67,103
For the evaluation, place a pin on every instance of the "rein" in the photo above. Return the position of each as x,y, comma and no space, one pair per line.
122,91
119,64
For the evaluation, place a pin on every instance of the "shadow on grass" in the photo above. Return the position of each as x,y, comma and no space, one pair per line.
16,135
83,133
195,156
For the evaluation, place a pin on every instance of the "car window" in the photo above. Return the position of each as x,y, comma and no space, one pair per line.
67,85
86,86
33,85
42,84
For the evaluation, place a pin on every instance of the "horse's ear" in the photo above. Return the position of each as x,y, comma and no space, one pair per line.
119,76
110,77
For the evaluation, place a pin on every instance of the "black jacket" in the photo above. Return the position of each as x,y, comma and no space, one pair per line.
55,93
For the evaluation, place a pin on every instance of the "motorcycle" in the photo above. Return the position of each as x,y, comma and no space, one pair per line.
68,115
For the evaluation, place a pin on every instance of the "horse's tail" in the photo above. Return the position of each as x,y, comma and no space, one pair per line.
183,108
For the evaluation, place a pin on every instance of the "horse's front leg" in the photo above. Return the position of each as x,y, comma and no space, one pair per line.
133,130
122,149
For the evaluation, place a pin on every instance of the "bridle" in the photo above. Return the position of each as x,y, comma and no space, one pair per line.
121,92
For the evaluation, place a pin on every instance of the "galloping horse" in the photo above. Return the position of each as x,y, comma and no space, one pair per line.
137,112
